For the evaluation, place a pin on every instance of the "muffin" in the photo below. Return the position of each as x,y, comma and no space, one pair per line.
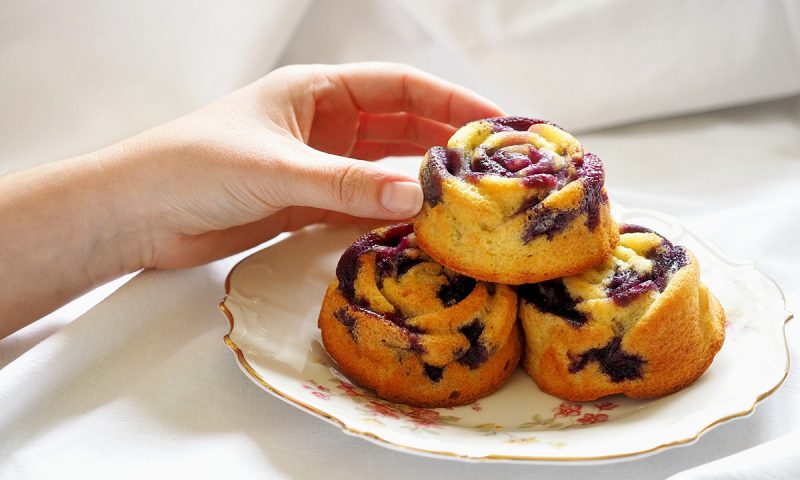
514,200
640,324
414,331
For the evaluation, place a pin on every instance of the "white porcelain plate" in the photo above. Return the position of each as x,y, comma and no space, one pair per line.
273,300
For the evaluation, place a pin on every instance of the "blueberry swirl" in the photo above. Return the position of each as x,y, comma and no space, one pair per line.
640,323
399,307
538,154
514,183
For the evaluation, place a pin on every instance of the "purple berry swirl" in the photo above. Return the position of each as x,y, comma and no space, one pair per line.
383,275
537,154
514,200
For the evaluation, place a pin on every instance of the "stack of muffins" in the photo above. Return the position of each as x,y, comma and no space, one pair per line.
515,255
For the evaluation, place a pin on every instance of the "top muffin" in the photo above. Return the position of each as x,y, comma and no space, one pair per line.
514,200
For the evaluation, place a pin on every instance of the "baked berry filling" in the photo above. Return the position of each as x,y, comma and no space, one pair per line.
391,239
542,221
628,284
501,124
640,268
612,360
396,254
434,373
625,280
476,354
455,290
527,154
347,320
539,154
435,170
406,284
552,296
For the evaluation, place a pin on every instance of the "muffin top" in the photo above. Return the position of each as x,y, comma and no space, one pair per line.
420,305
521,166
384,271
618,290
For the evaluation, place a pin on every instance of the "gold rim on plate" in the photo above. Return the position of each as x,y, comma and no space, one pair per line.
245,365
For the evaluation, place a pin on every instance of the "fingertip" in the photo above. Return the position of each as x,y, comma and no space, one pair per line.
378,87
402,199
471,106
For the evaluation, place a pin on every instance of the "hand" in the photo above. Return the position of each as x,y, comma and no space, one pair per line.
276,156
272,157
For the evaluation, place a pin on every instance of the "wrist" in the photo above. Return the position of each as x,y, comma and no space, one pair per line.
116,180
93,194
62,237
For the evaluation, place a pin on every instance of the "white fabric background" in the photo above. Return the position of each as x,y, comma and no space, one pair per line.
142,384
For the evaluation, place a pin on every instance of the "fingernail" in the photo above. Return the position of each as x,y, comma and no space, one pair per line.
402,198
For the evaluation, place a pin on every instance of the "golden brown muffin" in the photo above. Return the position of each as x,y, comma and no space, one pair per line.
514,200
640,324
414,331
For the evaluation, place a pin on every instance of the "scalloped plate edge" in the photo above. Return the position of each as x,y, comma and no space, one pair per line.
246,368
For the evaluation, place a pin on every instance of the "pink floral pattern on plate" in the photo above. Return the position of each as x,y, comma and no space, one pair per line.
272,300
375,410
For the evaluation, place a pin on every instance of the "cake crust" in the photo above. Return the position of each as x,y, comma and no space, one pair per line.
514,200
413,331
643,343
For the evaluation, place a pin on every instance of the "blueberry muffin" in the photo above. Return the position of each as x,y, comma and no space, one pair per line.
640,324
514,200
414,331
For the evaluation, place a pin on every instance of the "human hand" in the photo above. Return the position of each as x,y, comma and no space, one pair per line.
282,153
279,155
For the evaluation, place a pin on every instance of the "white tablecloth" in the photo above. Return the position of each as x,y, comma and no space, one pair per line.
142,385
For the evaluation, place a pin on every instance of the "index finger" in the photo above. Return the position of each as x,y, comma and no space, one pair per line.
377,87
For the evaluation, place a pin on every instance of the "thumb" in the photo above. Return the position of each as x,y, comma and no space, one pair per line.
356,187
